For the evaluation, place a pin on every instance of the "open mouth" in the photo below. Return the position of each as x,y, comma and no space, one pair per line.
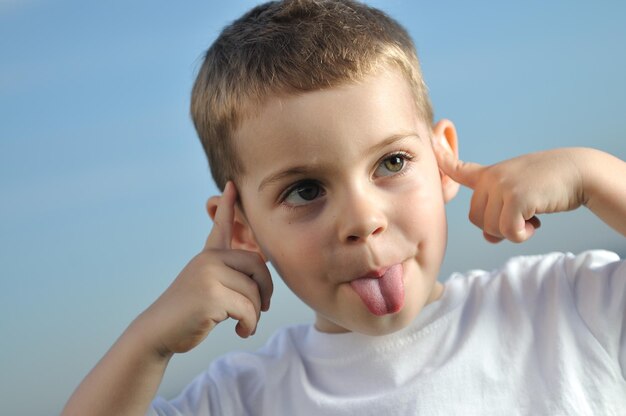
382,291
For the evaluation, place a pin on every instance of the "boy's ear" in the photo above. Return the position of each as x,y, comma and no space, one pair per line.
242,235
445,133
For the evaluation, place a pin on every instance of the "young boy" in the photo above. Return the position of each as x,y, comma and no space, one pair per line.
319,131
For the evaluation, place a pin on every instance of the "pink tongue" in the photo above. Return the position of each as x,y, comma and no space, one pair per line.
382,295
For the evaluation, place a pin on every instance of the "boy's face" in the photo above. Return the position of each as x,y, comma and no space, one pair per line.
343,195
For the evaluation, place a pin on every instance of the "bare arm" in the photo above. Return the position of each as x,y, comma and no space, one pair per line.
124,381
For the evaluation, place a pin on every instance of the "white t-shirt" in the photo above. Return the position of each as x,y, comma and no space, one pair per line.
544,335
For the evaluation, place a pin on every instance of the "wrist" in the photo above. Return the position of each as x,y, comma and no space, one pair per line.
146,341
588,162
582,176
603,187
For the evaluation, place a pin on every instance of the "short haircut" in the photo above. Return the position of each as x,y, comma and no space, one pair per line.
290,47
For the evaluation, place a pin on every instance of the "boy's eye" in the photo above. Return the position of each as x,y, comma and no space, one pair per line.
392,164
303,193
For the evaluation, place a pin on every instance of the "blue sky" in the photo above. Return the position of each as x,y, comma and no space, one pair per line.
103,181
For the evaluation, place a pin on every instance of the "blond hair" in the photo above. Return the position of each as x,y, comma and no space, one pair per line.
289,47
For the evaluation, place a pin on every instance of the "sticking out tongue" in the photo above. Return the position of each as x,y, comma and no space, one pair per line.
384,294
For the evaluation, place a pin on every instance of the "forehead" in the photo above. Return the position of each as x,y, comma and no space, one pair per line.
327,124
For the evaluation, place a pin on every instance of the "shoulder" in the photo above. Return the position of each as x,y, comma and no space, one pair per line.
280,351
593,268
562,311
238,381
535,269
528,279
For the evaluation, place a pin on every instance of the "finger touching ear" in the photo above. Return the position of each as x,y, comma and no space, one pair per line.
241,234
445,140
222,212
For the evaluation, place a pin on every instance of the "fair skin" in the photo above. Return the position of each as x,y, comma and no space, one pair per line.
327,185
339,184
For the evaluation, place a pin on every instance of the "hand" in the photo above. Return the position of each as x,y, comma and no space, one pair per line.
508,195
217,284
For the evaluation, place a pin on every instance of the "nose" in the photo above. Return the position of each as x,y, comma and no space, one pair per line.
360,217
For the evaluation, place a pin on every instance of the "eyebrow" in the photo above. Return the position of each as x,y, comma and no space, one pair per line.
305,170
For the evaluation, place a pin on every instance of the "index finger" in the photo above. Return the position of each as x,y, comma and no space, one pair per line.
222,232
465,173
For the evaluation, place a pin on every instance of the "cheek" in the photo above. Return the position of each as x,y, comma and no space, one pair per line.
422,196
291,247
421,212
298,257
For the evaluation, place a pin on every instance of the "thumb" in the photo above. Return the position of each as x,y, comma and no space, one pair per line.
465,173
